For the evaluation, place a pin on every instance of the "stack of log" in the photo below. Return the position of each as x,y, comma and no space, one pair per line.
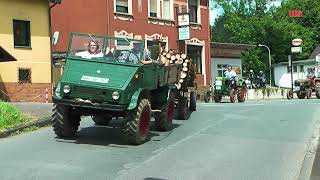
173,57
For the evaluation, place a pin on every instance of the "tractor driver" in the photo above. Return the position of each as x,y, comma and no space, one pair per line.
230,75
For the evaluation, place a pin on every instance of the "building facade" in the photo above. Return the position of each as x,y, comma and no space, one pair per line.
24,34
151,19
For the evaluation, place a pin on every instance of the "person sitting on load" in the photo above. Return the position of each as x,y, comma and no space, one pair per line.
230,75
138,53
93,51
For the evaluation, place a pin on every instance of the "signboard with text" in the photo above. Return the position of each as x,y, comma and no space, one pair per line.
184,33
183,19
295,13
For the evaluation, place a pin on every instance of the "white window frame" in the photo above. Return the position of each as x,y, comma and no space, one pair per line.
171,10
129,7
198,12
158,9
157,36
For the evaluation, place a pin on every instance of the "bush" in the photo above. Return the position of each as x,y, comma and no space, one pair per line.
10,116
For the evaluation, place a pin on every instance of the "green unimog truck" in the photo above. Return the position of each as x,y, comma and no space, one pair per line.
100,81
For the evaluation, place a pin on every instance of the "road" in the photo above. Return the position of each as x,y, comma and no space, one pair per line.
253,140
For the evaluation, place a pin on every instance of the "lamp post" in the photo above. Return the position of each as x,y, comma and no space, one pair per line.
261,45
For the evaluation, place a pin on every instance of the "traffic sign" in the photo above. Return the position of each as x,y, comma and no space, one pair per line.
297,42
296,49
295,13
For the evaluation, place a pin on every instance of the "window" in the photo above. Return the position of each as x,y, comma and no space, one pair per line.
301,68
24,75
288,69
167,8
21,33
221,68
153,8
122,6
193,9
195,52
295,68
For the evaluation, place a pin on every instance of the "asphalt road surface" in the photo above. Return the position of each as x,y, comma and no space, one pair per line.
254,140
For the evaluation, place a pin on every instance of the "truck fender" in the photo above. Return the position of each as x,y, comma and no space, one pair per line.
134,100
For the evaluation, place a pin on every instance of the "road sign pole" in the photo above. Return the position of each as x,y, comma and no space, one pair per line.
291,71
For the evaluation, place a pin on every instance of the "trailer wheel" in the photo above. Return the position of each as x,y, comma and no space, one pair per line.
309,93
163,120
233,95
289,94
193,101
137,127
207,96
65,125
318,93
301,95
102,120
183,110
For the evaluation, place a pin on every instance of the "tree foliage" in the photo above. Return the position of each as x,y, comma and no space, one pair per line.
257,22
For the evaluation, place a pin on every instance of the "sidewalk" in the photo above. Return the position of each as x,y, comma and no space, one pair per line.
36,110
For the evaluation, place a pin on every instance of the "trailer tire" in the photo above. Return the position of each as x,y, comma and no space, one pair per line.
193,101
309,93
136,129
65,125
318,93
183,110
289,94
102,120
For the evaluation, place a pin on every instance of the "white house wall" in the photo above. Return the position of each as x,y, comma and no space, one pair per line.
216,61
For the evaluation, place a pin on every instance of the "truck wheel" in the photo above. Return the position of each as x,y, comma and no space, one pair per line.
193,101
301,95
217,98
136,129
309,93
102,120
183,110
65,125
233,95
242,94
163,120
318,93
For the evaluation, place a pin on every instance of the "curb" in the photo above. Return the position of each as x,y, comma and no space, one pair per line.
42,122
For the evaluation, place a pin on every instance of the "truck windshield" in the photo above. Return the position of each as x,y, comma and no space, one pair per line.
108,49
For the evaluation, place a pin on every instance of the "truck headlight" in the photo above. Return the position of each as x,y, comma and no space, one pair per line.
115,95
66,89
57,91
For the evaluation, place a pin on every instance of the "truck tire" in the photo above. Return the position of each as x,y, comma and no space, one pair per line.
136,129
183,110
233,96
242,94
193,101
309,93
102,120
301,95
65,125
318,93
289,94
163,120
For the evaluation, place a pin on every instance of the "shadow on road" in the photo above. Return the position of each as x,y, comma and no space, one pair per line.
150,178
106,135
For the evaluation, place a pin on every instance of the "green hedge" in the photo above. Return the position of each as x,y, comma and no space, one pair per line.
10,116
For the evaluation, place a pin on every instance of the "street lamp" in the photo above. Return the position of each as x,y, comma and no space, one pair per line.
261,45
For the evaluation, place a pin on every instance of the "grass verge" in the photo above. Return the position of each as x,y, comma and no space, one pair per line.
10,116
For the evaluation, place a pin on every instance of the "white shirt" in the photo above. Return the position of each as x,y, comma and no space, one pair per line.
87,55
230,74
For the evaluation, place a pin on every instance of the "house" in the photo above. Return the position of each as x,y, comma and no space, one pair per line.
223,54
282,72
151,19
24,34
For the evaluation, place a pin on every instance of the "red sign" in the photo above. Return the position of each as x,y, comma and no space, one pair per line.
296,13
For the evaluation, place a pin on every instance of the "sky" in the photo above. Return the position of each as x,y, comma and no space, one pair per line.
215,12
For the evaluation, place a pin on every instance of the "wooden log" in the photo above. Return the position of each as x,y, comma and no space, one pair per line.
183,74
178,85
178,56
185,69
186,60
171,62
181,81
185,64
180,61
163,59
173,58
167,63
168,55
183,56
